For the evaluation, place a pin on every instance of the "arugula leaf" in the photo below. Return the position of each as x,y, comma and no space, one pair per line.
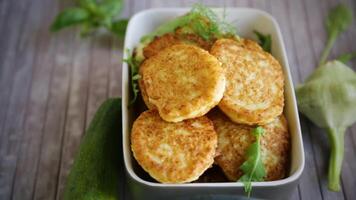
253,167
134,67
265,41
338,20
68,17
345,58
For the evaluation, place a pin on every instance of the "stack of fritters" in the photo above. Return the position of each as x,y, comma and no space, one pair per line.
183,77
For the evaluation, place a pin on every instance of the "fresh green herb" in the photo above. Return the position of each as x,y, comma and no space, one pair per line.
265,41
69,17
209,25
337,22
328,97
92,15
345,58
253,167
200,20
119,27
134,67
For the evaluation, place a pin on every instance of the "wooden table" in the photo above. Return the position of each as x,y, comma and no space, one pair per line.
51,85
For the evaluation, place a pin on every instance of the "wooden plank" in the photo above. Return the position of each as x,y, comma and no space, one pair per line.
261,4
137,6
242,3
49,156
100,60
76,110
17,108
10,31
4,10
216,3
158,4
37,105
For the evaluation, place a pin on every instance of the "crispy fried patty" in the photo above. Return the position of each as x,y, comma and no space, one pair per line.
180,36
234,139
183,82
254,82
173,152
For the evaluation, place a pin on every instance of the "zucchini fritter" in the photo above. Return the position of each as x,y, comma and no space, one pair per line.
183,82
173,152
234,140
254,82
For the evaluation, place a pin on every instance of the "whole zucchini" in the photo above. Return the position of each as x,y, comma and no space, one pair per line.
96,168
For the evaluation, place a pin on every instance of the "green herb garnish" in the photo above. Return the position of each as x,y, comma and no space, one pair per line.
328,97
201,20
345,58
264,40
92,15
253,167
337,22
134,76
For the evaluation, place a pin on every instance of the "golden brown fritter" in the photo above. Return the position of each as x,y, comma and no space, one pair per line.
178,37
160,43
173,152
183,82
254,91
143,92
189,37
234,139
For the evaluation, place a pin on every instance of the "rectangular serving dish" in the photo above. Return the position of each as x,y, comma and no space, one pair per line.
246,20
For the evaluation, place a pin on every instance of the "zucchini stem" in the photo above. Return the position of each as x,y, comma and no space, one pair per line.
329,45
336,138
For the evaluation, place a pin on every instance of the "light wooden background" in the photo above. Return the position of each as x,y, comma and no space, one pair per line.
51,85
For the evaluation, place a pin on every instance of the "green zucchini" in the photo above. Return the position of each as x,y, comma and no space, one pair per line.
96,168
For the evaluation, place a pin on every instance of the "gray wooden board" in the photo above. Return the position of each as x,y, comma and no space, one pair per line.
52,84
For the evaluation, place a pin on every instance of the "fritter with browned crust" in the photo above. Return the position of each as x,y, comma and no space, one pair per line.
254,82
183,82
234,140
173,152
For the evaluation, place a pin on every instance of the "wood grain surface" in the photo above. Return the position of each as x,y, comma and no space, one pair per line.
52,84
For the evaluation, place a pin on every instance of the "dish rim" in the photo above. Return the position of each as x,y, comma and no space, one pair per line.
125,129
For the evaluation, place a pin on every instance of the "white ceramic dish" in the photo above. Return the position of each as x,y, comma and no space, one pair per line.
246,20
